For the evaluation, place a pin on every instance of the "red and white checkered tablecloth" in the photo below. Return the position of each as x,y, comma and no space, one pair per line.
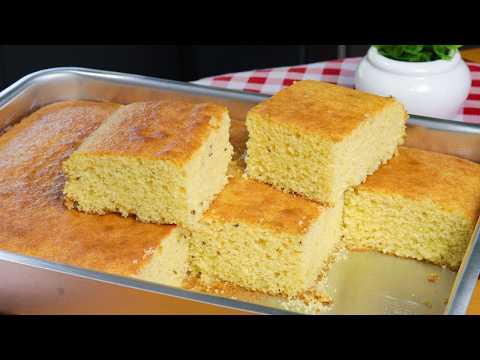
342,72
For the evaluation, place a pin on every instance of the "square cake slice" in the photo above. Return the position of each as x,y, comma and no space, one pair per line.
421,205
163,161
318,139
263,239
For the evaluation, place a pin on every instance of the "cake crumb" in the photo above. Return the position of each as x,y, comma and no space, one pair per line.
309,302
428,304
433,278
299,306
342,253
148,252
309,296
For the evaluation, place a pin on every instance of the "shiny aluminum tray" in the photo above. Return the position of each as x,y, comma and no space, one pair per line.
362,283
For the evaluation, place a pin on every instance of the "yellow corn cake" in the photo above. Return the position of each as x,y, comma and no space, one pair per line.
318,139
34,221
264,239
163,161
421,205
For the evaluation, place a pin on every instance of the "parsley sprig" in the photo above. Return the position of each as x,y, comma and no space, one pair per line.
417,53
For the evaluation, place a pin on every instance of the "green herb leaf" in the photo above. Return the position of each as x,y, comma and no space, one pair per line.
418,53
413,49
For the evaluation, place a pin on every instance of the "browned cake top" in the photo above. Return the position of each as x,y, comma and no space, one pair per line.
316,107
252,202
168,130
451,182
33,219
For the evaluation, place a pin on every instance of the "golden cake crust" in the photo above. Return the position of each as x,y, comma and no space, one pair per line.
167,130
449,181
34,221
252,202
317,107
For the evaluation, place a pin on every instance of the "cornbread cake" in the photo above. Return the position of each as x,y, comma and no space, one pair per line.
317,139
163,161
263,239
34,221
421,205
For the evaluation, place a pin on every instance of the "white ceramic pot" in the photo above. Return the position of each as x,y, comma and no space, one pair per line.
433,88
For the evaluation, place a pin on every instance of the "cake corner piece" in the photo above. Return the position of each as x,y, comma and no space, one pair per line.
152,160
47,230
319,139
421,205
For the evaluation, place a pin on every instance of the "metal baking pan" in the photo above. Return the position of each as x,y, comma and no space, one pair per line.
362,283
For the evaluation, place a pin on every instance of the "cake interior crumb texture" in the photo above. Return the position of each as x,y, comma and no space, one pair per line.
162,161
421,205
167,263
263,239
35,222
318,139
